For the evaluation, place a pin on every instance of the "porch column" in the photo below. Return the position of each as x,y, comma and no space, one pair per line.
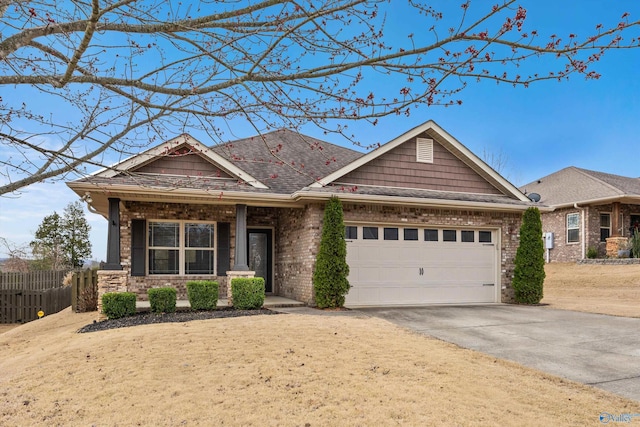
113,237
241,239
615,221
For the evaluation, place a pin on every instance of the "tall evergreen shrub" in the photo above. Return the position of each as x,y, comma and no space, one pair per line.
330,275
529,263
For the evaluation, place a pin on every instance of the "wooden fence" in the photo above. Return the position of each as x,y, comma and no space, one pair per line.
23,295
81,282
32,281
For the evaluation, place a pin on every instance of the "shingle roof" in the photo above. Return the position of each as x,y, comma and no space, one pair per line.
575,185
284,160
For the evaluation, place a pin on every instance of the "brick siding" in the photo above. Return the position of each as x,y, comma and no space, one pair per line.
297,234
297,244
556,222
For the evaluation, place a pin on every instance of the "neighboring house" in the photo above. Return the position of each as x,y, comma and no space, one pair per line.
426,220
589,209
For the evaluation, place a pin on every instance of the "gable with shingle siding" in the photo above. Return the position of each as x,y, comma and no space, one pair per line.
182,164
399,168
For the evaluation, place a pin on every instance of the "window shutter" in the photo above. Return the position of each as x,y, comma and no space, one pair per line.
424,150
224,248
138,246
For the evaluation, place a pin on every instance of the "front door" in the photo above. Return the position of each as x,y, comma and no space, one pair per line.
260,255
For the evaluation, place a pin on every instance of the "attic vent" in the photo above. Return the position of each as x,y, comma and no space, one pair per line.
424,150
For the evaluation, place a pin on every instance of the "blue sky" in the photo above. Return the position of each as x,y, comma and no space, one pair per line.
591,124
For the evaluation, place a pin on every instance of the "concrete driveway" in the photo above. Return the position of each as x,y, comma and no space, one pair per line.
598,350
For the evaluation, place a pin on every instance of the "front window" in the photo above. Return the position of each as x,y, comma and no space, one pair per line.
199,239
573,230
605,226
181,248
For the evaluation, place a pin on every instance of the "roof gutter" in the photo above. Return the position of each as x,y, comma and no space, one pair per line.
601,200
279,200
201,196
412,201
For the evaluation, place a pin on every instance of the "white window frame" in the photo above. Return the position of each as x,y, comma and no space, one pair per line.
182,248
577,227
607,228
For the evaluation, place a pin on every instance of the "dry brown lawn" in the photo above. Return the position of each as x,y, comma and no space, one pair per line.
4,327
295,370
606,289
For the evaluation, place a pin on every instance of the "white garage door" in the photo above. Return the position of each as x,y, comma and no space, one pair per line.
406,266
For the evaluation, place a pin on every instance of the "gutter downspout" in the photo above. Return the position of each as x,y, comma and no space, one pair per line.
583,234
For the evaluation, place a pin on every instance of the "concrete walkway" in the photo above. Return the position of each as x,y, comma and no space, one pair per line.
598,350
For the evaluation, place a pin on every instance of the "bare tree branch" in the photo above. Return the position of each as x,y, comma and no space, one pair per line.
87,82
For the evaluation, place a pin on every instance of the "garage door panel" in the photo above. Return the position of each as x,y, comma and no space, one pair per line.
368,296
399,295
457,294
384,272
383,276
452,272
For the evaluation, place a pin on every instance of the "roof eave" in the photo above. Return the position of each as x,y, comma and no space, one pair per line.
100,193
311,195
599,201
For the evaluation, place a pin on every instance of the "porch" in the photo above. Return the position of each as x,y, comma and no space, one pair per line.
270,301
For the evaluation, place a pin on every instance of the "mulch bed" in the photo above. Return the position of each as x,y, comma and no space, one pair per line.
147,318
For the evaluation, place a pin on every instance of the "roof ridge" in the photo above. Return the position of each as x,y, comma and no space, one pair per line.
613,187
610,174
305,137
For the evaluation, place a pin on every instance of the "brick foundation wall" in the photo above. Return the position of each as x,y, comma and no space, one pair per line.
110,281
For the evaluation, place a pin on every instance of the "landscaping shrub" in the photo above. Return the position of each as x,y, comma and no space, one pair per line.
528,277
162,300
118,304
635,244
330,275
247,293
592,253
202,294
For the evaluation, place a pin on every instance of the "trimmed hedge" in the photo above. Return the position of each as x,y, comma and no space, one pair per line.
528,274
202,294
330,274
118,304
247,293
162,300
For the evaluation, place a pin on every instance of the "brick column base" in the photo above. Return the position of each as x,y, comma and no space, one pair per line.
232,275
614,244
110,281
